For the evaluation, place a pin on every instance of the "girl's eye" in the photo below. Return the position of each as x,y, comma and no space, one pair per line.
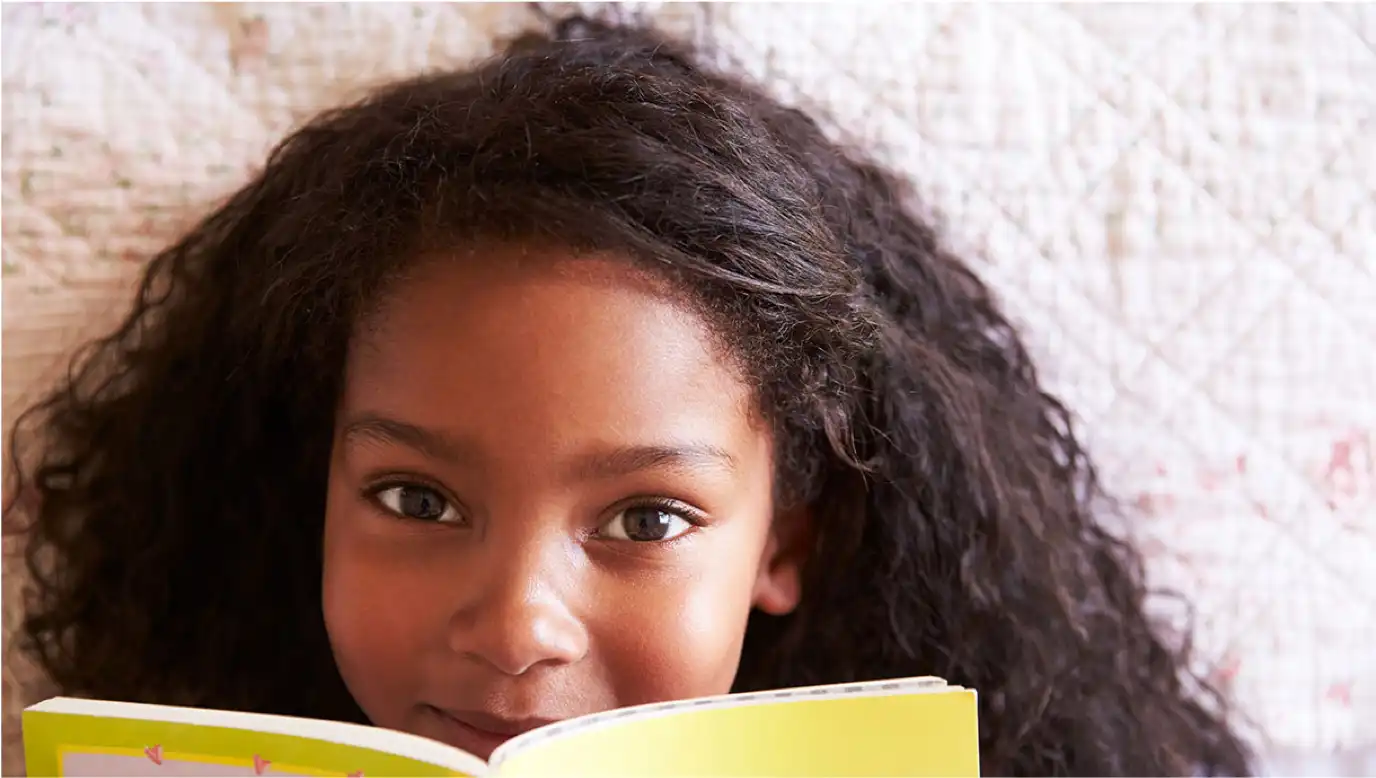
417,502
645,524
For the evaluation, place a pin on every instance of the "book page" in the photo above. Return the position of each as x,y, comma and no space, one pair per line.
118,739
898,730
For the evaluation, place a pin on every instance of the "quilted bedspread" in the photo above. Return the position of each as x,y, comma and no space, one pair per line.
1175,201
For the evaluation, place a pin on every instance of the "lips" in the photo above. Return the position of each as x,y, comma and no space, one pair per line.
480,733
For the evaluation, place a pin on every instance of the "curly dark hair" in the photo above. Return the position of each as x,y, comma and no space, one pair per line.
173,485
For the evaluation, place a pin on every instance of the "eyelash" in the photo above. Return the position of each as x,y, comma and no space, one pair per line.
373,494
678,508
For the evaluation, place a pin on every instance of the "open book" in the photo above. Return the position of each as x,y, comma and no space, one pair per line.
916,726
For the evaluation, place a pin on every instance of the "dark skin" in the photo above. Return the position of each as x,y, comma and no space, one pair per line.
551,494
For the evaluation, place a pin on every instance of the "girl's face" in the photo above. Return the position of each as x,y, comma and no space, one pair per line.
549,495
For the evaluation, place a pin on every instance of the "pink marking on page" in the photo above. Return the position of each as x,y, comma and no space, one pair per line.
260,764
155,754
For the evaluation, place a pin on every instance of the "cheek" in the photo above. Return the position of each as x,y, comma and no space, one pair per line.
378,617
680,639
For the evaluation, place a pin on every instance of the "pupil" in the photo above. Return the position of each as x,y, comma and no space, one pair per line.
647,524
420,503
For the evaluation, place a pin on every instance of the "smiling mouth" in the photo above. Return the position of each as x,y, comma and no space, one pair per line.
480,733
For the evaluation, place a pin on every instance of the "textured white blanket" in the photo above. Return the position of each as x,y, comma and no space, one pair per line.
1176,200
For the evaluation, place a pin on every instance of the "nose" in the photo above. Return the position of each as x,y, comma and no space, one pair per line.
519,618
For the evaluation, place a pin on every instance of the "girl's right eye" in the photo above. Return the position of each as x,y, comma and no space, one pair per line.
412,501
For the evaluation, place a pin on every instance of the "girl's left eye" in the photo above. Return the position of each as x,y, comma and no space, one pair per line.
417,502
645,524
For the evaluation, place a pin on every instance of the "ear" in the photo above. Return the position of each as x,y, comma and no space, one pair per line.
779,583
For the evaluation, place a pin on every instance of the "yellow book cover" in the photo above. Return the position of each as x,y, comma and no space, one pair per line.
910,727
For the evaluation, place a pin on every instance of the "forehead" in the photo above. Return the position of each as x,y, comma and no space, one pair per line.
556,344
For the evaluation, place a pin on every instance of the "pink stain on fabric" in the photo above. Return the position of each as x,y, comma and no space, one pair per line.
1226,671
250,47
1152,503
1349,458
1340,693
1210,479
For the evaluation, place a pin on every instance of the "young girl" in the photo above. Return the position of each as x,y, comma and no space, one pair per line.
586,378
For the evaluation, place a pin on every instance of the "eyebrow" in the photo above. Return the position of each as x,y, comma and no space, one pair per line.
595,465
434,444
687,457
